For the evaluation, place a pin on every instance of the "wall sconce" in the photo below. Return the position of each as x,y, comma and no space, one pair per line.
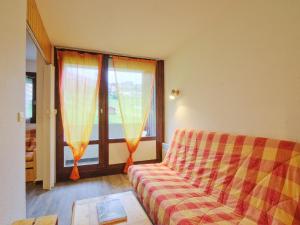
174,94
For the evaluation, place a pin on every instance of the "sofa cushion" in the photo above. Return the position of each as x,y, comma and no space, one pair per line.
175,155
137,172
264,178
170,199
29,156
205,210
161,193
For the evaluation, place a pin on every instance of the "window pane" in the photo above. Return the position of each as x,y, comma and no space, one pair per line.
28,98
150,128
90,157
114,115
95,129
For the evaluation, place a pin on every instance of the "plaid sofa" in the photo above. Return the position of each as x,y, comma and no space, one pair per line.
218,178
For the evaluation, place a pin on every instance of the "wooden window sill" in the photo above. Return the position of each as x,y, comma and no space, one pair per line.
120,140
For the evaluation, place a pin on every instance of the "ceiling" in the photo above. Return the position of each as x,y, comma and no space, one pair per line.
152,28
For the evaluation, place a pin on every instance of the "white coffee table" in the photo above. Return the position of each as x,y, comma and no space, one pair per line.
85,213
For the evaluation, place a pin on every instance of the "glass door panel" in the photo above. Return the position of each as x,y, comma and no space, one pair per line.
91,156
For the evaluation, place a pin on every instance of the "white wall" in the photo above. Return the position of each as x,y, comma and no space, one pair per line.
12,89
240,75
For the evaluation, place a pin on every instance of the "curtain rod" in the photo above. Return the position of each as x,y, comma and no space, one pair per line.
58,47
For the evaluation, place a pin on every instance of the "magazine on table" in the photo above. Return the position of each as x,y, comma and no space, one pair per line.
111,211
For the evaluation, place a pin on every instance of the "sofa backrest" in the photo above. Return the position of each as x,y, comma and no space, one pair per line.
258,177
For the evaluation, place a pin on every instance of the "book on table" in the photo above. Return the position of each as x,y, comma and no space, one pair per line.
111,211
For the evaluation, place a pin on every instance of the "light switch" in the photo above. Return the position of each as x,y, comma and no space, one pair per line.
20,117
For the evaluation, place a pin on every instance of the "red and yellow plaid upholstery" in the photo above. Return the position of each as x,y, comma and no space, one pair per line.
30,140
218,178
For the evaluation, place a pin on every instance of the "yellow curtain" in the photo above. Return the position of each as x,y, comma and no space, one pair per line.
134,99
79,82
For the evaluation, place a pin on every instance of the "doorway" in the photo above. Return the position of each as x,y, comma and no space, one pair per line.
40,116
30,110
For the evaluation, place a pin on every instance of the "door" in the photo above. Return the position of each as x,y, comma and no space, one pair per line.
49,116
94,161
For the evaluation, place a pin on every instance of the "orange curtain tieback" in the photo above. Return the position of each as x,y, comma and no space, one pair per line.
75,172
129,162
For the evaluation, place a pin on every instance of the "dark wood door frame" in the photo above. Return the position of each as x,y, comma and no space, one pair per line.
103,168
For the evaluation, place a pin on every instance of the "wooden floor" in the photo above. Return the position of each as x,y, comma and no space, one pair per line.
60,199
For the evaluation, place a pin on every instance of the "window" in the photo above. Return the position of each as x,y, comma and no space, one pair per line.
131,80
107,127
30,97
